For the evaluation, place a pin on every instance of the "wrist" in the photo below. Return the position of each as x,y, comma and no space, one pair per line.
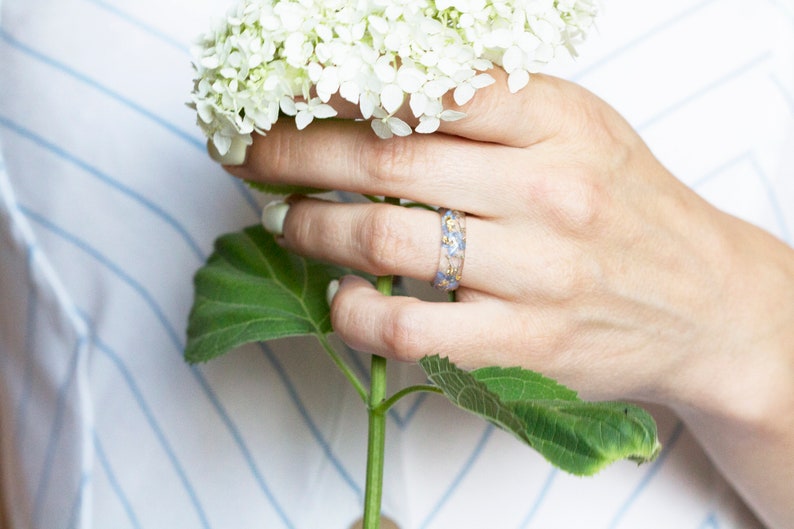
745,372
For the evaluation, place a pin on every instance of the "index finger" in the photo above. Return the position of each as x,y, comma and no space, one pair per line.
495,115
520,119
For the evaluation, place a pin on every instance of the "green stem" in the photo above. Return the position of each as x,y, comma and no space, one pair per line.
387,404
376,438
342,365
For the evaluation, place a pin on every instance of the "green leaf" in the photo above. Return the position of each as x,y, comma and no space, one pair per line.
577,436
251,290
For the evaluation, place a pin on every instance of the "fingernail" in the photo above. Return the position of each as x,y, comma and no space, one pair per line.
234,156
273,216
330,292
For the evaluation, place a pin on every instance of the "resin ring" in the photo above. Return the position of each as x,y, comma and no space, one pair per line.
453,248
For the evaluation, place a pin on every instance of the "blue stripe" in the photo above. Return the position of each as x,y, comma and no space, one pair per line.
114,484
133,21
238,438
74,516
777,210
191,139
786,7
749,157
115,184
406,419
147,412
55,432
315,431
179,346
733,74
402,421
465,469
112,267
540,499
667,24
710,522
785,91
63,68
714,173
656,466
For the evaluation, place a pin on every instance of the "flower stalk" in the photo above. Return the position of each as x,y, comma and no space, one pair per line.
376,437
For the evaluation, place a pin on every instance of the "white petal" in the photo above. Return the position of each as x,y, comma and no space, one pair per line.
428,124
206,111
418,103
410,79
429,58
381,129
367,103
451,115
436,88
324,32
501,38
378,24
221,142
482,80
255,60
384,70
229,73
512,59
315,71
303,119
287,106
517,80
327,87
349,91
434,107
391,97
210,62
463,94
399,127
323,111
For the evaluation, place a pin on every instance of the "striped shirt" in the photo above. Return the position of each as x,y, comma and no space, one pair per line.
108,204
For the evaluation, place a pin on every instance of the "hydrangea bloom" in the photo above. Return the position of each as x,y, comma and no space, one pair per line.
269,57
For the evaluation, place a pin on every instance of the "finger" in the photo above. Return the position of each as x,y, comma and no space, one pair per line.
382,239
347,156
495,114
408,329
527,117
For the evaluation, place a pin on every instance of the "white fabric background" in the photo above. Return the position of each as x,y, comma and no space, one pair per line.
108,204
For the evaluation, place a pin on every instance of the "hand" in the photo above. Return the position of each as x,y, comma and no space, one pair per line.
586,260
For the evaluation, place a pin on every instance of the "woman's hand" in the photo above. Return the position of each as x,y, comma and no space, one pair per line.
586,260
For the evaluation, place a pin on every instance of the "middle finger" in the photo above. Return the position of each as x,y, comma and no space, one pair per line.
435,169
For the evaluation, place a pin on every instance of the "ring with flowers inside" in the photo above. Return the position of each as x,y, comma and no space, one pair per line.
453,250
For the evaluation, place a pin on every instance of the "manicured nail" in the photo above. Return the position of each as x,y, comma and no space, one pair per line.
234,156
330,292
273,216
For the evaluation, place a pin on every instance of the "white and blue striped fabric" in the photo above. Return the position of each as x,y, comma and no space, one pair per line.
108,204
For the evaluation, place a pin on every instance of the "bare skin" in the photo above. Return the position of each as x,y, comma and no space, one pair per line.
586,260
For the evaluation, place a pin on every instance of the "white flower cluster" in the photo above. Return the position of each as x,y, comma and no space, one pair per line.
291,56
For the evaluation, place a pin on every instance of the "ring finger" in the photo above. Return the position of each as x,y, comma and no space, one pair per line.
380,239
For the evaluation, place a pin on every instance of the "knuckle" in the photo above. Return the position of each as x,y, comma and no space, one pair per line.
389,161
384,239
402,333
579,204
